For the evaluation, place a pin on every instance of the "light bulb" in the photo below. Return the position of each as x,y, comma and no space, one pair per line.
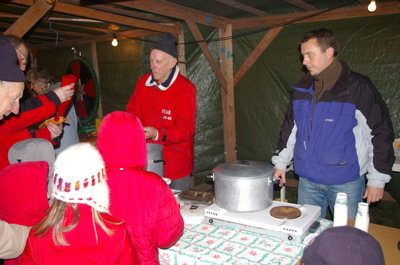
372,6
114,41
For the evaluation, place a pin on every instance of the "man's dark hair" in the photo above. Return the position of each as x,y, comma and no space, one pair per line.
325,38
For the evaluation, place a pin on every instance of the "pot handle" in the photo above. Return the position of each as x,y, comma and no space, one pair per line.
160,161
274,181
211,175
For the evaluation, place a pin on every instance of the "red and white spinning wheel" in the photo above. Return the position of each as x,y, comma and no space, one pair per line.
87,91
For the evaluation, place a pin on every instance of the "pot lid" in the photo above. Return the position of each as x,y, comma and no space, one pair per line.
244,169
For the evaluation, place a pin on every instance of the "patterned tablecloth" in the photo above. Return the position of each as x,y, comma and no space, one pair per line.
219,245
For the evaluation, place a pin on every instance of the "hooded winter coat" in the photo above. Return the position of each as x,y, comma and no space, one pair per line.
23,195
83,248
141,198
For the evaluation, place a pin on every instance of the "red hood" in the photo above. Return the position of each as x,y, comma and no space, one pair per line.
24,193
121,141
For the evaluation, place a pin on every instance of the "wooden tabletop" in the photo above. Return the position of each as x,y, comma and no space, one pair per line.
389,238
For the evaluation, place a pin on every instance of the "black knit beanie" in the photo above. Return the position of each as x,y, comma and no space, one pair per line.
167,44
9,68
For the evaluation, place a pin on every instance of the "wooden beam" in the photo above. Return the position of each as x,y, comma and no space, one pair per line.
131,13
203,46
112,8
364,2
29,18
169,9
262,45
109,17
228,95
308,16
6,15
243,7
301,4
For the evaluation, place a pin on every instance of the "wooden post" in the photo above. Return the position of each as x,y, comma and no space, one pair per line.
181,53
228,97
96,69
33,56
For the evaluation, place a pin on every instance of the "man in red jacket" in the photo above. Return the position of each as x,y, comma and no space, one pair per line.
11,79
20,126
13,237
165,102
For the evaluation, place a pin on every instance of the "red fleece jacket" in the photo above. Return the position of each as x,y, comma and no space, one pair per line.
15,129
173,113
141,198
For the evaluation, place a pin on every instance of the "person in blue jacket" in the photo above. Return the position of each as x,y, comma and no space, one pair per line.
337,131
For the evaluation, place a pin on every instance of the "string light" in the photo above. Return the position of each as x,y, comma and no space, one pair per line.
114,41
372,6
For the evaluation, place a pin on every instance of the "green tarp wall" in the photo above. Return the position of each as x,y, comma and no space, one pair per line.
369,45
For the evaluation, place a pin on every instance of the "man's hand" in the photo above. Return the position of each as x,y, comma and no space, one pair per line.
64,93
281,175
55,130
373,194
150,132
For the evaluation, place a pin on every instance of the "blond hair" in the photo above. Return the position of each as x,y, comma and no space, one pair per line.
54,221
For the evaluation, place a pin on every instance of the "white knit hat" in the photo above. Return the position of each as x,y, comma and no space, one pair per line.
80,177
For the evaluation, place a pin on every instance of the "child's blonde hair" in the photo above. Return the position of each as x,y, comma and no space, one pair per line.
54,221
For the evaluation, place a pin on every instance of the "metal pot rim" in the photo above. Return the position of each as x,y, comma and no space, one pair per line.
244,169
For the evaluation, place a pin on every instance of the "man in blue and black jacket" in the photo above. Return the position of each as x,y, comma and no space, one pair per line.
337,131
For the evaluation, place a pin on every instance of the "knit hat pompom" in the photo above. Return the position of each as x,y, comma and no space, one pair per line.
9,68
79,177
167,44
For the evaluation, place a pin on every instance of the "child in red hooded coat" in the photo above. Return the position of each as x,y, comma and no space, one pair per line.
78,228
141,198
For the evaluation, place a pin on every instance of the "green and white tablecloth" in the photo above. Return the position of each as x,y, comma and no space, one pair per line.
209,244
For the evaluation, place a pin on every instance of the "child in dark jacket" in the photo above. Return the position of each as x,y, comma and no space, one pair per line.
78,228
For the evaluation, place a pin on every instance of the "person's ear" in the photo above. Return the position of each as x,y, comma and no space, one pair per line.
330,52
173,62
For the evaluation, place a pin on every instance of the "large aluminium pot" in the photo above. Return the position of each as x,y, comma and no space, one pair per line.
155,159
243,186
